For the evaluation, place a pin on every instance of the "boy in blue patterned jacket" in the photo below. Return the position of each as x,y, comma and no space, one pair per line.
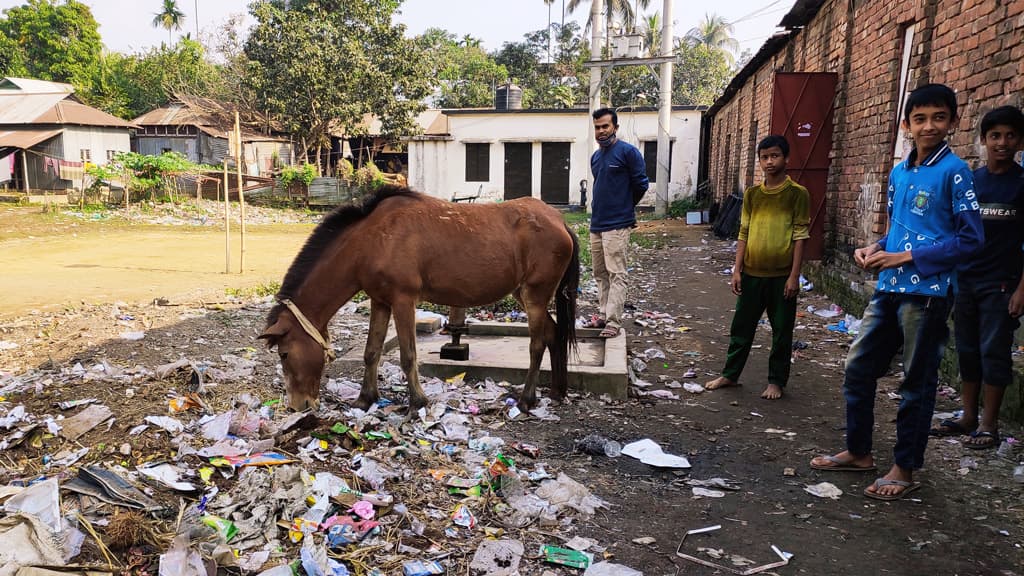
934,223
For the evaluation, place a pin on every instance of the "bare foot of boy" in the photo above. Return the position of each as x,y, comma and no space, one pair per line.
772,392
720,382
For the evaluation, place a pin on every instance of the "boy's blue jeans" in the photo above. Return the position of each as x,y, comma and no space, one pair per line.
918,323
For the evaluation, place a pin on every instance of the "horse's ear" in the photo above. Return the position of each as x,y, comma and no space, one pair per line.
273,333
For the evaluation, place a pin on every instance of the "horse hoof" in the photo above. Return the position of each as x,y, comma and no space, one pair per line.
526,404
416,403
364,403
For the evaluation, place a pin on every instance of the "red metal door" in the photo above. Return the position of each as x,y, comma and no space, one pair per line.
802,106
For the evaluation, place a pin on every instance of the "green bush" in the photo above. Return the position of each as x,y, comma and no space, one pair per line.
291,174
346,172
679,208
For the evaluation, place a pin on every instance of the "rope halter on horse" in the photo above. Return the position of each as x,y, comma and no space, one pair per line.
322,339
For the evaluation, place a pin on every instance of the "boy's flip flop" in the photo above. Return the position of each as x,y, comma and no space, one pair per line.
609,332
840,466
908,487
993,438
949,427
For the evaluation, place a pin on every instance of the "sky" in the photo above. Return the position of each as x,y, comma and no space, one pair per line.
126,25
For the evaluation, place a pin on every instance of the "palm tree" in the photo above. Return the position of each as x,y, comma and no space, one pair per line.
652,34
170,18
715,32
621,8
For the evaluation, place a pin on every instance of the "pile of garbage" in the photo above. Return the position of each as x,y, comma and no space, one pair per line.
248,485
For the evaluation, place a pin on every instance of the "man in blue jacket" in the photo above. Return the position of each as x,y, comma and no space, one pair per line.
620,181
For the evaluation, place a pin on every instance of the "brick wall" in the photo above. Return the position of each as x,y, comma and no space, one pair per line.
975,46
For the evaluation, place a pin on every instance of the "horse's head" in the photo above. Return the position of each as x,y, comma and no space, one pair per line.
302,359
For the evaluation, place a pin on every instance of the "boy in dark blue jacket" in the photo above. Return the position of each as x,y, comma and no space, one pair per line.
620,181
990,287
934,224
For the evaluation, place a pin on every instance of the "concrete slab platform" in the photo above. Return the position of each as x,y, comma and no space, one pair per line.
500,351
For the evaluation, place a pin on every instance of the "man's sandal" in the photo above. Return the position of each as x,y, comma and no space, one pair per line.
991,440
908,487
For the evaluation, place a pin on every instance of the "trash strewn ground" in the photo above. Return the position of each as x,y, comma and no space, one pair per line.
167,452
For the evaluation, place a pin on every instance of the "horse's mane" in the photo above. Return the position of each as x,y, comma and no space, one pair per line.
324,234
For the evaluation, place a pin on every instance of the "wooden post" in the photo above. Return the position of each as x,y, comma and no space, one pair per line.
227,219
240,150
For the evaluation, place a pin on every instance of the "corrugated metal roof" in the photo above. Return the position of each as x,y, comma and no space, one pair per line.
32,86
802,12
26,138
770,47
247,135
71,112
173,115
18,108
182,114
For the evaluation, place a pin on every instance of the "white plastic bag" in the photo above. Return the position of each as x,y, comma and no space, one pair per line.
180,560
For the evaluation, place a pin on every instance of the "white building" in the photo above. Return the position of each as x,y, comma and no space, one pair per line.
505,154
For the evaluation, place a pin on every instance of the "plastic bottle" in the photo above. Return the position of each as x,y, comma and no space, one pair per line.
444,449
1005,450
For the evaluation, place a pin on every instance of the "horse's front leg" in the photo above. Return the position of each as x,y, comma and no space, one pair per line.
380,315
405,324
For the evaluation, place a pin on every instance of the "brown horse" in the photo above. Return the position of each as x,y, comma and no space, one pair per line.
401,248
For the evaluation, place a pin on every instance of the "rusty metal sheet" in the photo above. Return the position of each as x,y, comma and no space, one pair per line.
802,111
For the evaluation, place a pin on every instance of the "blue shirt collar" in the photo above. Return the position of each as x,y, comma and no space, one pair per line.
933,158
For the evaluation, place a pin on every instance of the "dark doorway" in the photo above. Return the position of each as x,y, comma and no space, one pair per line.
518,173
802,106
554,172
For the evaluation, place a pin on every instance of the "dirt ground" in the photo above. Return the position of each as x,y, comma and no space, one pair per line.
968,519
49,261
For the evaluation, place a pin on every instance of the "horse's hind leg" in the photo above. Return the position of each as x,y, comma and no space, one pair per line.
405,324
380,314
542,332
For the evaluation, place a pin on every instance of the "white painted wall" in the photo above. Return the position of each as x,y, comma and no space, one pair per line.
438,166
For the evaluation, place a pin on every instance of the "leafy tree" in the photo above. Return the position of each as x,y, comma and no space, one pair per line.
130,85
54,41
560,84
632,86
715,32
463,74
12,58
699,75
320,65
169,17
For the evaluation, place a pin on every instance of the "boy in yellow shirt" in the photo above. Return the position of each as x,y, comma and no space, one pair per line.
774,226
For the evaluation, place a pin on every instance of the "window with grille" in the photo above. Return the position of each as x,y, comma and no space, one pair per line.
478,162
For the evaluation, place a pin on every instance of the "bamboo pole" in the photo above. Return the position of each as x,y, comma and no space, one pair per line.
24,166
227,220
240,153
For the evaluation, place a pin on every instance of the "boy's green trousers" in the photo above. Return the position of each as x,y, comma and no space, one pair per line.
757,295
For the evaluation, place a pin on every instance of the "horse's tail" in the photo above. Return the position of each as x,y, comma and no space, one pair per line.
565,327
